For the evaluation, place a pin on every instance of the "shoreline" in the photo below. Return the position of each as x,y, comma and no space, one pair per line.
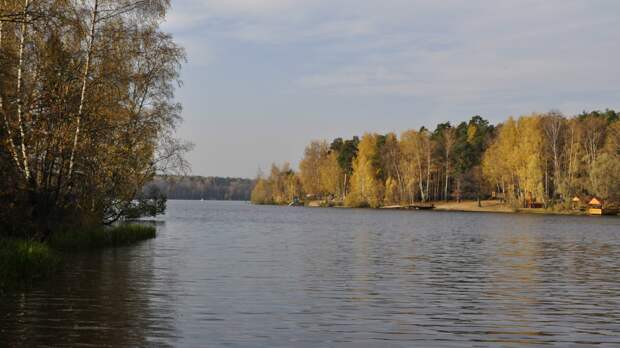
24,261
496,207
488,206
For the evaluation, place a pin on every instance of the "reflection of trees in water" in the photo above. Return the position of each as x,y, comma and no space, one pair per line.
545,279
114,297
513,290
531,258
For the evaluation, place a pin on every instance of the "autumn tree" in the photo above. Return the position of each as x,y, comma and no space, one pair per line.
514,162
472,140
366,187
391,171
261,194
554,126
605,179
410,164
282,186
331,175
445,137
612,144
86,109
346,151
309,167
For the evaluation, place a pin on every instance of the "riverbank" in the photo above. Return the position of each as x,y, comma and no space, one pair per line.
101,237
486,206
24,261
494,206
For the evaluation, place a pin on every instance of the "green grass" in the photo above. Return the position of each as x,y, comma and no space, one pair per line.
101,237
23,261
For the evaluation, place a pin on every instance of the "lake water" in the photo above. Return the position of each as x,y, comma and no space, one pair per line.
238,275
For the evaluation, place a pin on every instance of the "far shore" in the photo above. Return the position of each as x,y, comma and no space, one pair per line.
486,206
493,206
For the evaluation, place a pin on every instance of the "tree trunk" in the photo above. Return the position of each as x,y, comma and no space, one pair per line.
428,170
20,101
445,190
91,40
479,192
344,187
421,183
12,147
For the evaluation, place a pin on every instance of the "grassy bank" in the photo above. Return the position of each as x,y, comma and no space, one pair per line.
101,237
22,261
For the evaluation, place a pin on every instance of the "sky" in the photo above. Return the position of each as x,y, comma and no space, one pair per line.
263,78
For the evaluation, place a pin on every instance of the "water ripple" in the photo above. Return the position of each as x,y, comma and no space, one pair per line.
233,274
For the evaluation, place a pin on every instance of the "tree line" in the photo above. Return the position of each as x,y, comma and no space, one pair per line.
87,115
538,159
198,187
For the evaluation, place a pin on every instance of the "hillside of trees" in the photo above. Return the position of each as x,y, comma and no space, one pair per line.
198,187
540,158
87,112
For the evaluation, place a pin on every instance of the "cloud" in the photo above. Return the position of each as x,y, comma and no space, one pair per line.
410,61
510,50
265,21
250,7
189,14
454,49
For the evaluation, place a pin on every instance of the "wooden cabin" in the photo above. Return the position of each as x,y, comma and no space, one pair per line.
596,206
578,203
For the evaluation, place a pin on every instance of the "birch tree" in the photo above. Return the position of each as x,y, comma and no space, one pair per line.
366,188
87,109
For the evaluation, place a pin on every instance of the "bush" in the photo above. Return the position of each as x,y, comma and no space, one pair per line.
24,260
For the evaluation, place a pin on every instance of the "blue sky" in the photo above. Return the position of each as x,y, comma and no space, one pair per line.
265,77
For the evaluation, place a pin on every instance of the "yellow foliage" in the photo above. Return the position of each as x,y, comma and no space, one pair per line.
310,167
331,175
281,187
261,194
391,192
366,189
514,161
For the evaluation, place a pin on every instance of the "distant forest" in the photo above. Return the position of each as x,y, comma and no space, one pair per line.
534,160
199,187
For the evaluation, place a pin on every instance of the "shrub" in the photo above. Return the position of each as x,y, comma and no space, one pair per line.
25,260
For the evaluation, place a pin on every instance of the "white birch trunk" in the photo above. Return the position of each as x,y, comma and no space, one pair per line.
91,40
13,149
20,111
445,190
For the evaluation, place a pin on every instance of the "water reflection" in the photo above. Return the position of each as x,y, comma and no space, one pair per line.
107,298
232,274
